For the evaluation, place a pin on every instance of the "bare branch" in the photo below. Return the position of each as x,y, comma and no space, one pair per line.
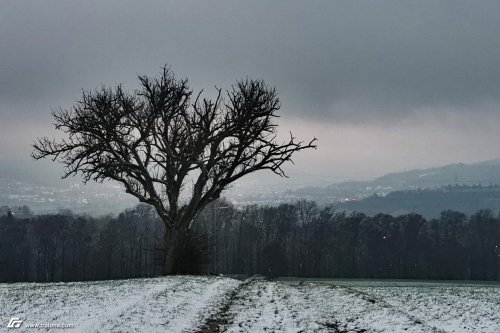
156,140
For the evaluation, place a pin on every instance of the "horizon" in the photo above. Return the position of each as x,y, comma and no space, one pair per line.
261,176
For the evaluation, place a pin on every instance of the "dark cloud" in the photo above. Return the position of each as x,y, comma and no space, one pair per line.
324,56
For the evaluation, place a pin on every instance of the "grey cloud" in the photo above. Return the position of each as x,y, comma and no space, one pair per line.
391,56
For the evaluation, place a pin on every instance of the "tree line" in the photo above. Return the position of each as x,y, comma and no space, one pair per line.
68,247
300,239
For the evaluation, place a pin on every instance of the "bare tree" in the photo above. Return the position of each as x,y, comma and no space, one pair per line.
169,148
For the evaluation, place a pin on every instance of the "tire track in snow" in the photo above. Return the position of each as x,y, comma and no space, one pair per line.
270,306
377,300
100,322
276,306
166,304
180,307
219,320
212,298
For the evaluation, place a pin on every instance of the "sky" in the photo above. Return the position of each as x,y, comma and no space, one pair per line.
384,85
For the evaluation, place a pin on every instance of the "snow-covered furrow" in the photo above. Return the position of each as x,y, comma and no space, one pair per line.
216,304
171,304
449,308
290,307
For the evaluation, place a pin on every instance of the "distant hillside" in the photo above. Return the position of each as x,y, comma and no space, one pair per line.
429,202
263,189
487,172
483,173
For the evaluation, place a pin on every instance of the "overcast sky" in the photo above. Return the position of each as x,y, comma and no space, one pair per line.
384,85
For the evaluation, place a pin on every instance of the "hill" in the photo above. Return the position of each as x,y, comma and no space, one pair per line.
428,202
97,199
482,173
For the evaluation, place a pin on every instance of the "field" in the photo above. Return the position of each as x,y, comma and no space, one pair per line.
219,304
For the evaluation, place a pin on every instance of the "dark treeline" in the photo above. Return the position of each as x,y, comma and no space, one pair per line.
67,247
300,240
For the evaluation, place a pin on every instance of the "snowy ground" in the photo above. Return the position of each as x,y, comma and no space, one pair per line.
344,306
447,307
173,304
214,304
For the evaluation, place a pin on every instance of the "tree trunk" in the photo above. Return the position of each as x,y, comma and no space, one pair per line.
175,246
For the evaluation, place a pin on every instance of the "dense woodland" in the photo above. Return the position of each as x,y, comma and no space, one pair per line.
299,240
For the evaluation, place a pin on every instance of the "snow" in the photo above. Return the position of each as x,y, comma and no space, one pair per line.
449,308
185,303
308,307
170,304
343,306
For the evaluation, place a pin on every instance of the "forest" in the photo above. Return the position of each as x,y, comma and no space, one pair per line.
299,240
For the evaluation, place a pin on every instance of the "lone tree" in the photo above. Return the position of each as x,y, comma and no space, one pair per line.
169,148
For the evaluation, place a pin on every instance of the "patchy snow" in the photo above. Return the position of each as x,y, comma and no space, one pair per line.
184,303
170,304
451,308
334,306
292,307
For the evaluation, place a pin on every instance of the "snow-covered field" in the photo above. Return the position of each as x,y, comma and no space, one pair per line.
173,304
216,304
347,306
